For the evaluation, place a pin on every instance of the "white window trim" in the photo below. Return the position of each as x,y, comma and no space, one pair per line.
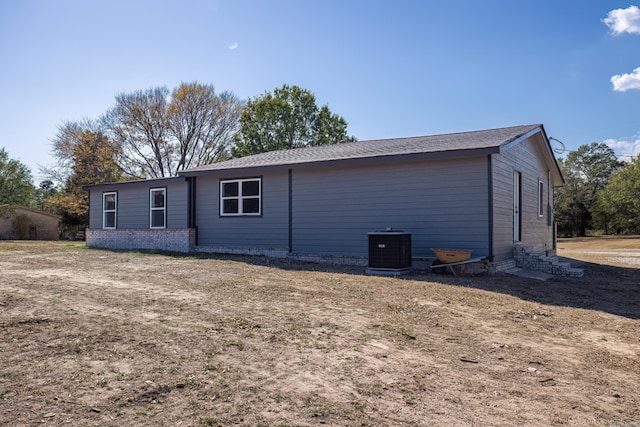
240,198
106,211
540,198
163,209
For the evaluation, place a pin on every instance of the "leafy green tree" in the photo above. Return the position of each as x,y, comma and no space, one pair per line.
15,183
570,205
330,128
594,163
618,205
587,171
287,118
46,190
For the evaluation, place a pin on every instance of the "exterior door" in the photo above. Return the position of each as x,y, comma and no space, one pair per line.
517,217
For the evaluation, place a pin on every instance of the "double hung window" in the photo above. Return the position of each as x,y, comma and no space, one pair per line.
109,209
241,197
158,208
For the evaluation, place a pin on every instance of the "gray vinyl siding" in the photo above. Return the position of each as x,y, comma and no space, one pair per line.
177,205
437,188
535,231
442,203
268,231
95,209
133,205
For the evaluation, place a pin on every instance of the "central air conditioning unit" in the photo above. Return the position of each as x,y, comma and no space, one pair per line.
389,252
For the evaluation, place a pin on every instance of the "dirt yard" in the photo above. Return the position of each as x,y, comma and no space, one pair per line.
101,338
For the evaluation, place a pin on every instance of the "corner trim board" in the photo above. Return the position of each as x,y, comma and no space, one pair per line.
490,205
290,210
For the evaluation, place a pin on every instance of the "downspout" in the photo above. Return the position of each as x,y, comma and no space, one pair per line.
490,205
290,210
551,209
191,203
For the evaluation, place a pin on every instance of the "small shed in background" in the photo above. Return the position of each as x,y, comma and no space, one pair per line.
24,223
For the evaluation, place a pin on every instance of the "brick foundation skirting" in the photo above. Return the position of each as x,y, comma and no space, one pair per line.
183,240
500,266
418,263
171,239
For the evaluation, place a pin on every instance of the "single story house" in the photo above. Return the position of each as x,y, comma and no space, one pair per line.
486,190
23,223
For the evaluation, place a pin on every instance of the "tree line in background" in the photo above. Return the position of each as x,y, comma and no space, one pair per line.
601,193
156,133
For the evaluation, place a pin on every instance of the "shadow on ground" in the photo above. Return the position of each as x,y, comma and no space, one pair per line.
605,288
613,290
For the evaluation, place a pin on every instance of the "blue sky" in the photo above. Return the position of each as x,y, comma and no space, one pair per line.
390,68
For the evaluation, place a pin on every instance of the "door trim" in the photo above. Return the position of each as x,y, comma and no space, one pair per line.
517,206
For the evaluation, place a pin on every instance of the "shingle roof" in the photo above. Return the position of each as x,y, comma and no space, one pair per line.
453,142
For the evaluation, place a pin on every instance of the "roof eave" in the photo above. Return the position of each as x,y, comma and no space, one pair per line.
551,159
146,182
548,151
39,212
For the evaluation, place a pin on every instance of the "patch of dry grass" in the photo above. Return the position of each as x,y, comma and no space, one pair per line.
95,337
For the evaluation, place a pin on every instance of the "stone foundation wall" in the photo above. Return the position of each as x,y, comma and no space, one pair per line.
526,257
500,266
173,239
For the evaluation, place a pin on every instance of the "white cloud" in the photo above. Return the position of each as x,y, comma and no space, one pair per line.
624,20
625,150
233,46
624,82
